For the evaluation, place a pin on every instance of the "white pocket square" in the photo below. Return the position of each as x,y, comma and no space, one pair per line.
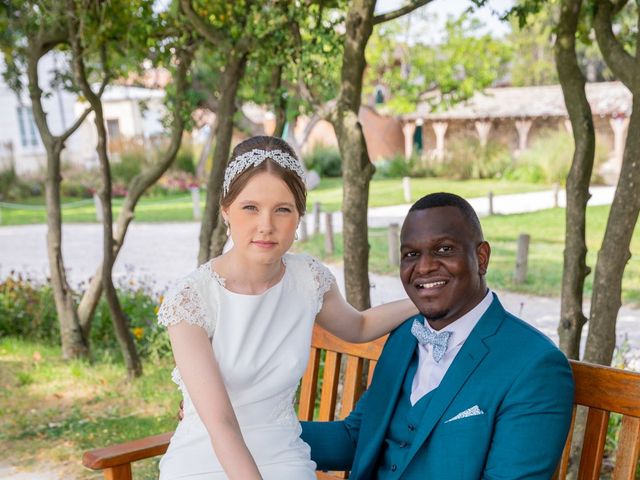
469,412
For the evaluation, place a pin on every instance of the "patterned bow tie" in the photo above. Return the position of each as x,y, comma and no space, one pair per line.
425,336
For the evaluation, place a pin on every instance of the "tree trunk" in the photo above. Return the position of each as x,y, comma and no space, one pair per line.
227,107
575,269
219,239
614,254
280,104
118,317
74,344
356,168
138,185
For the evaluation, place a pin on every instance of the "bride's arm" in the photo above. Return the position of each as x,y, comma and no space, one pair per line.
199,370
341,319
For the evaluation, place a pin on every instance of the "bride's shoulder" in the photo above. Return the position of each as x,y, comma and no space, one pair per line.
309,266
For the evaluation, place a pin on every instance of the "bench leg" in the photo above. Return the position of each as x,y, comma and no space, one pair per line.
121,472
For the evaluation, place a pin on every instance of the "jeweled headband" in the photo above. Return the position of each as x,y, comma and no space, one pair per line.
255,157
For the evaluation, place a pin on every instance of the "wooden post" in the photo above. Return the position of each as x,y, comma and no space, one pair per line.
522,258
329,245
406,186
98,206
317,208
490,197
556,192
195,199
302,230
394,244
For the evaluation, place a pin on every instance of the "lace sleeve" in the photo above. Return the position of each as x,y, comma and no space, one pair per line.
184,303
323,279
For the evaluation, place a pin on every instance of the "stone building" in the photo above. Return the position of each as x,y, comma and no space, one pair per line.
517,115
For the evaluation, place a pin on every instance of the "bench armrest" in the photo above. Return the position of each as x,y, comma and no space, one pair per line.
125,453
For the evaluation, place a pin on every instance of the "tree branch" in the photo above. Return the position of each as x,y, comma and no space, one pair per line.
408,8
208,32
617,58
76,125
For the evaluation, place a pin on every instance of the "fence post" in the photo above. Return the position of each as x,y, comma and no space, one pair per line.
195,199
302,230
490,198
406,187
98,206
317,208
394,244
522,258
556,192
328,233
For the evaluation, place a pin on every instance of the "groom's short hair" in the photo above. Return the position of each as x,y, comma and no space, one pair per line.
445,199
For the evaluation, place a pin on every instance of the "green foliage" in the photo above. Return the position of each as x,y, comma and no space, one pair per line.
185,161
548,159
399,167
13,187
463,63
27,310
324,160
466,159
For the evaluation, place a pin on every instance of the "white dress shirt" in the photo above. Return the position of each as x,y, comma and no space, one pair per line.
430,373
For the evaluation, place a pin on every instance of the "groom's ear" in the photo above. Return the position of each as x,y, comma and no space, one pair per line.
483,253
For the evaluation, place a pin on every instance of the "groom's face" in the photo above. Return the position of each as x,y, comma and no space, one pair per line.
443,262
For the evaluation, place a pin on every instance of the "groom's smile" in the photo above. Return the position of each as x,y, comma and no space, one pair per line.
443,264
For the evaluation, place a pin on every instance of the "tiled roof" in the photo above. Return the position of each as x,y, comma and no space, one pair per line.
605,98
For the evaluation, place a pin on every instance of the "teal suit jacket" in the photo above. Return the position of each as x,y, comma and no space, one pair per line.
513,373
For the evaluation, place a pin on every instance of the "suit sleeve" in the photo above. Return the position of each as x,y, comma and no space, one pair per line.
532,424
333,444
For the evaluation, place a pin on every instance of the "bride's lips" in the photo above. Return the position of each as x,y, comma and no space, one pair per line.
264,244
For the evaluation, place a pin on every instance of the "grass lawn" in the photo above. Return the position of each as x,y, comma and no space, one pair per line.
545,252
178,207
389,191
52,411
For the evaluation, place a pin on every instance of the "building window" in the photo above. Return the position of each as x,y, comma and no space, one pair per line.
28,129
113,128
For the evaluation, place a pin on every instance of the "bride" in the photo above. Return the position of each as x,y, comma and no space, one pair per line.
240,329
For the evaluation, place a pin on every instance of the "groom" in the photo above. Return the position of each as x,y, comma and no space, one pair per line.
464,391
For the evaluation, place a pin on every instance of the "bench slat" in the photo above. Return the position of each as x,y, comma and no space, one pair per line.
330,381
607,388
628,449
352,385
308,387
595,435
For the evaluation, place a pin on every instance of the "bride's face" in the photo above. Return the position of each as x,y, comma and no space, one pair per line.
263,219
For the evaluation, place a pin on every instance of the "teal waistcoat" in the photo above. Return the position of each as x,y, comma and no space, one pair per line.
402,427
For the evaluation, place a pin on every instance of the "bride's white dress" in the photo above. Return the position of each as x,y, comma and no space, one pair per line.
262,345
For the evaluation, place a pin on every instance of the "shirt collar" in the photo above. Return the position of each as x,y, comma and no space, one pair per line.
462,327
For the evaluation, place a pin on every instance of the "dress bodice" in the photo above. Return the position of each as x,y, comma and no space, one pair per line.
261,342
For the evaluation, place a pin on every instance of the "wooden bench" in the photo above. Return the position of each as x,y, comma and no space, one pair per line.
603,390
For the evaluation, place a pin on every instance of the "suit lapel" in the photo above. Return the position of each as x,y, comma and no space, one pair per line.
471,354
390,375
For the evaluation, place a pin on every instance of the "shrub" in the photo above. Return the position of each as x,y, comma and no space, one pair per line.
13,187
546,161
27,310
467,159
129,165
324,160
398,167
185,161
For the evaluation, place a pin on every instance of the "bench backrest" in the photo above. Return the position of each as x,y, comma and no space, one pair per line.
603,390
